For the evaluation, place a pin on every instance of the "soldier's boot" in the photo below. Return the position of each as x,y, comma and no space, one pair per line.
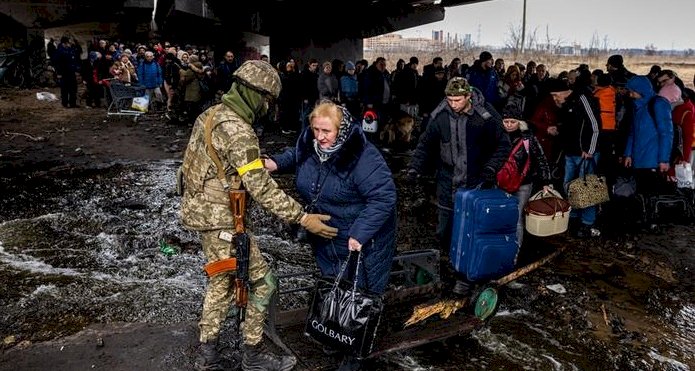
260,358
208,358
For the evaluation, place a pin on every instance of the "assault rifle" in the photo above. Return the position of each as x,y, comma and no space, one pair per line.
241,244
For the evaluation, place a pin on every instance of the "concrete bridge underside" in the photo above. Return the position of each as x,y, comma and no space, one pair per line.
296,28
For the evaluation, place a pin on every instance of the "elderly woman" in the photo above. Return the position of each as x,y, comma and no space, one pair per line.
341,174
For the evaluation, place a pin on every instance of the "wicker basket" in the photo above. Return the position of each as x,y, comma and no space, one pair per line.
547,214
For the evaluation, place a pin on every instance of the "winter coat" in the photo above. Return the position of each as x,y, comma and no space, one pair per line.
189,81
348,88
606,102
487,82
579,123
539,171
328,87
355,187
150,74
545,116
487,148
651,138
684,116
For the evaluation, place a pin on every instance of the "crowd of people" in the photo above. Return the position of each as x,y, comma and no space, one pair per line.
576,123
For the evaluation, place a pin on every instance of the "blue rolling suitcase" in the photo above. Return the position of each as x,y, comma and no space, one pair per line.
483,240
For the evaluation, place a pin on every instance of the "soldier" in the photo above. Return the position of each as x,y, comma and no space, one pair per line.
223,133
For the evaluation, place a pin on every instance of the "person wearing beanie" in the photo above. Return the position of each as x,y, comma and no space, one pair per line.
531,150
465,145
349,93
579,132
484,77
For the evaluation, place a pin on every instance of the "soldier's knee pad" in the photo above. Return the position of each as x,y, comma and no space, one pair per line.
262,291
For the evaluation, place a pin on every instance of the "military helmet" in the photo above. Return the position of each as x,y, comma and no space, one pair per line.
260,76
458,86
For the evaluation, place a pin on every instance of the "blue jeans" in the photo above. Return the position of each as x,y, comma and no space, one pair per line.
573,170
522,195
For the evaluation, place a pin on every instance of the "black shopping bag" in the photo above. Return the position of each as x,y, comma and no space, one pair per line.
343,316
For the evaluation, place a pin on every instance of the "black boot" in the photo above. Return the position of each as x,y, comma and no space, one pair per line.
260,358
208,358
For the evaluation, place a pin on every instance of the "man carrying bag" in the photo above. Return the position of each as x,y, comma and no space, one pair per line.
579,131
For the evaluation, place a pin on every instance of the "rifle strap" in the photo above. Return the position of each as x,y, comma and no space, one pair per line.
221,266
212,153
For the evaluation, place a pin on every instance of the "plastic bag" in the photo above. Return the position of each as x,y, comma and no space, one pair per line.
46,96
684,175
343,316
141,103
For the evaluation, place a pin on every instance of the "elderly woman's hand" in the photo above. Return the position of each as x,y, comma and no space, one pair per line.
354,245
269,165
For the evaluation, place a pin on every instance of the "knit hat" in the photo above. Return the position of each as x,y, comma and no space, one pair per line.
485,56
513,109
671,92
458,86
349,65
616,60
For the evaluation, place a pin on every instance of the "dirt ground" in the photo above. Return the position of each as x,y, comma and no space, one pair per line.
623,287
44,134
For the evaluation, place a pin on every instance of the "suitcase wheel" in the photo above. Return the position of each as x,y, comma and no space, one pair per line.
486,303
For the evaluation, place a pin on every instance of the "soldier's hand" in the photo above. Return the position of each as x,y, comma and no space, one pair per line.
314,224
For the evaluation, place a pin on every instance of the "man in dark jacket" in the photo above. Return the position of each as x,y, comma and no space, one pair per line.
465,142
66,65
580,123
225,71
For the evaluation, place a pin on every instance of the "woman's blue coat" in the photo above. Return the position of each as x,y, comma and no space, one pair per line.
355,187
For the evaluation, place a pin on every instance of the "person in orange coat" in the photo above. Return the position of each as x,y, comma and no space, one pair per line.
609,146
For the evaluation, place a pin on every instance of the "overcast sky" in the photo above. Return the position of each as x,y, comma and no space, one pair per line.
627,23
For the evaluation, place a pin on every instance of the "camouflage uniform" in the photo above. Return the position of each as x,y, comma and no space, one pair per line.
205,208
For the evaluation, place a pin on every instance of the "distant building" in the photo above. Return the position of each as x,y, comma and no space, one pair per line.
396,42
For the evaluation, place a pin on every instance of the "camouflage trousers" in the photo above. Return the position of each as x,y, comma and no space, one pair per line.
220,291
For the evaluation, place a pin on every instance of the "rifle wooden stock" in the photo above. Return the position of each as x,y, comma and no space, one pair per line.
238,203
237,199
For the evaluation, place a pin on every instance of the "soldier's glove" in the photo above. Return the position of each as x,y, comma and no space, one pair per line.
314,224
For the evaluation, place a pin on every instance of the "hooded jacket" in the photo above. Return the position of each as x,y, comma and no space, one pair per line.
651,135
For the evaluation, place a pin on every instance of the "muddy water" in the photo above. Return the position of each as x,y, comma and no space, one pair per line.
82,246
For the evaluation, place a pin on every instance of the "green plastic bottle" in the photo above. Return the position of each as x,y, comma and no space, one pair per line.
166,249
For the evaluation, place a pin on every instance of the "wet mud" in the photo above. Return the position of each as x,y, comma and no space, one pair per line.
86,285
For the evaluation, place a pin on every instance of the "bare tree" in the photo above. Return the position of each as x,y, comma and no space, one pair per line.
550,48
651,50
513,41
532,43
593,47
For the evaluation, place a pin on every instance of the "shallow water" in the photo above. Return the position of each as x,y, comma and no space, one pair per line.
82,246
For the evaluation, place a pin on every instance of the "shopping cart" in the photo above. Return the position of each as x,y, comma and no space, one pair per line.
121,98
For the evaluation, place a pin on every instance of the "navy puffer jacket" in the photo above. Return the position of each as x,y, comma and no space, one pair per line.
357,190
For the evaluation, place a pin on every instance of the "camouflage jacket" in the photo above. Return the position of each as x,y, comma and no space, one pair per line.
205,204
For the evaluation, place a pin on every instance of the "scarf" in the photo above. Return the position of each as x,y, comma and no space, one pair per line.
246,102
343,133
